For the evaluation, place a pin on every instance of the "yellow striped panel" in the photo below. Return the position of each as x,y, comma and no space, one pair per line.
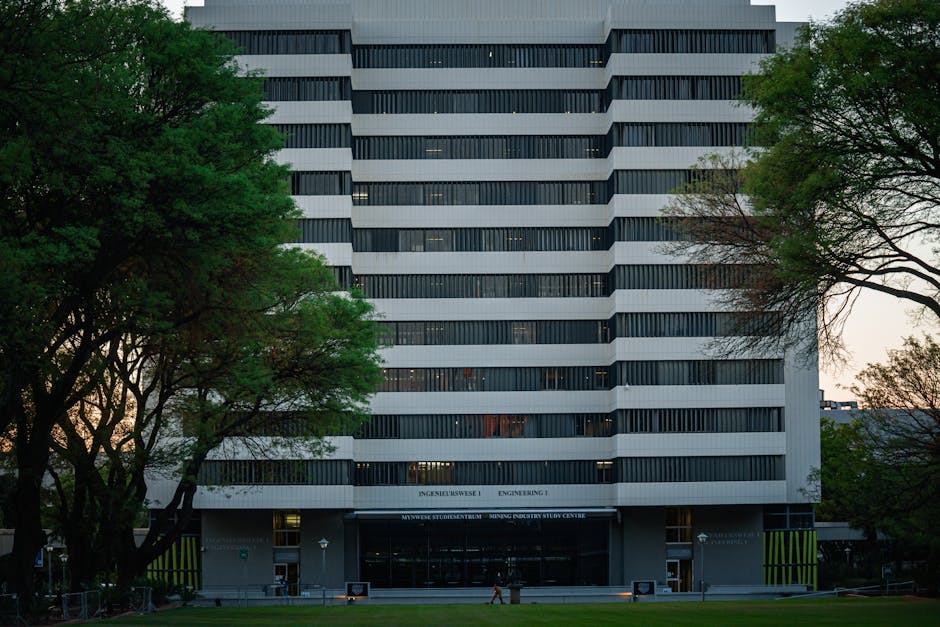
790,557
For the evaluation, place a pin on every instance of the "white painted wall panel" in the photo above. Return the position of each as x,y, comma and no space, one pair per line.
480,78
335,253
679,111
542,402
651,64
495,308
481,124
653,396
674,158
324,206
587,448
309,112
475,356
701,493
275,497
487,496
482,170
316,159
297,64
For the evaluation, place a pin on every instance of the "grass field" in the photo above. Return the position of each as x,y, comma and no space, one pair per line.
903,613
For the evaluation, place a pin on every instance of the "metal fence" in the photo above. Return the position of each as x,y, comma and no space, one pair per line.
96,603
81,605
251,595
141,600
888,589
10,610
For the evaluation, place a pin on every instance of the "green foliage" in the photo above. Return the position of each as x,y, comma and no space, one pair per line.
843,192
146,281
880,472
902,442
841,468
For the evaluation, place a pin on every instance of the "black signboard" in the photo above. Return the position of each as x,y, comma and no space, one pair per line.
643,588
358,589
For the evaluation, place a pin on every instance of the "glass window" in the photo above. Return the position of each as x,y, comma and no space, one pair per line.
430,473
678,524
252,42
286,528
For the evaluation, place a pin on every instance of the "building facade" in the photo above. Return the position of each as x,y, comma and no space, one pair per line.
491,175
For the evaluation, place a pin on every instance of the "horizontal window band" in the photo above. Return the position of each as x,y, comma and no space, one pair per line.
637,325
276,472
438,473
254,42
665,41
478,55
498,239
400,101
626,421
493,239
599,378
576,285
555,472
316,135
448,193
508,239
324,88
533,425
621,134
306,88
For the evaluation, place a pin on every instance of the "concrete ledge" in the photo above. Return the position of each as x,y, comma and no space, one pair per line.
572,594
467,596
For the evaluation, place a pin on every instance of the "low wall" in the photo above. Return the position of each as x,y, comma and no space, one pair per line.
251,596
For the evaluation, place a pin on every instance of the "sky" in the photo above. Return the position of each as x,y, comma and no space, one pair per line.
878,323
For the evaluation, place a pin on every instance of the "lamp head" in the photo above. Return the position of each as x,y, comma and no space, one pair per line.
702,537
324,543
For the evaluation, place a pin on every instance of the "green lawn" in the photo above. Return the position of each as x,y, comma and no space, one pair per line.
786,612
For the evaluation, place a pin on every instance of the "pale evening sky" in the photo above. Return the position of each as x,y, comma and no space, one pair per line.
878,323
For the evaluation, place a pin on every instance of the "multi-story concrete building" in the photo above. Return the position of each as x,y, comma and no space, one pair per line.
490,174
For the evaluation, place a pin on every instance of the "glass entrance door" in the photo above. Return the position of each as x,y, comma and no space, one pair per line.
679,575
402,554
286,578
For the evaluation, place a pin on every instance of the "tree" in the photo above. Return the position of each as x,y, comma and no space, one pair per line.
140,206
880,472
287,356
842,189
901,431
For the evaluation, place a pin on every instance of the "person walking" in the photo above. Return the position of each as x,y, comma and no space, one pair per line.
497,590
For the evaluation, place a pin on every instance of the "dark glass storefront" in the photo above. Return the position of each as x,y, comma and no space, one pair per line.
458,553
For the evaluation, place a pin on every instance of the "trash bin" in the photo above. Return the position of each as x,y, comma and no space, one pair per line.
515,594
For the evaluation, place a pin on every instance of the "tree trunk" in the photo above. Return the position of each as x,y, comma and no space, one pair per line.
29,536
129,566
80,534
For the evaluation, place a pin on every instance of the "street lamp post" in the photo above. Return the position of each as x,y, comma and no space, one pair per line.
49,548
64,559
702,539
323,544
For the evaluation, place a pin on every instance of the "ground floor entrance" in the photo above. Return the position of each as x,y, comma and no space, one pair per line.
461,553
290,551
